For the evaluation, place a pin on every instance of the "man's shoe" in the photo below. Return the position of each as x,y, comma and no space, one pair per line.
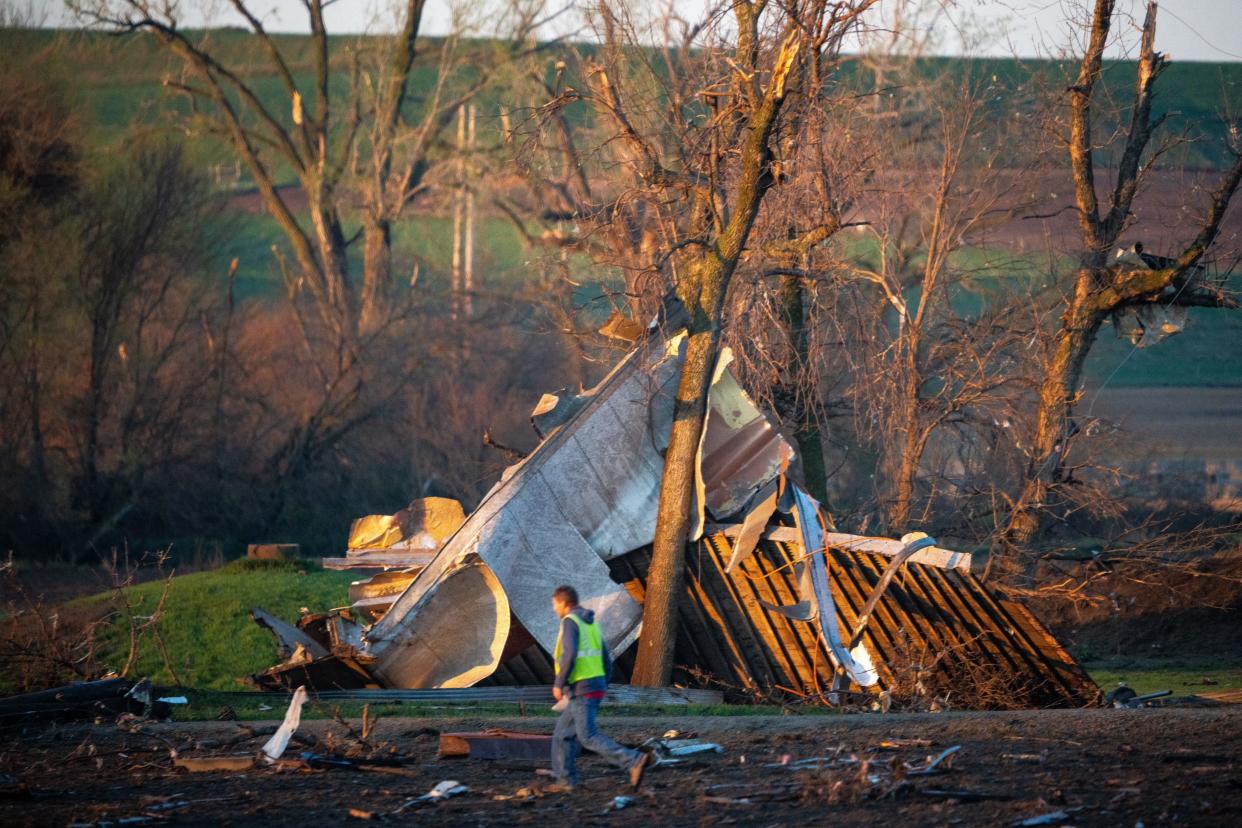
559,787
639,768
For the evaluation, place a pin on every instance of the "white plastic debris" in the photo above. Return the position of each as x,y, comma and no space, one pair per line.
275,746
442,790
445,789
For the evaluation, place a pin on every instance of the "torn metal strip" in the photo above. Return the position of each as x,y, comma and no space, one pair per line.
858,663
931,556
288,637
753,526
913,543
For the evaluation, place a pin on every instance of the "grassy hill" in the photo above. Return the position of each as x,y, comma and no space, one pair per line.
117,82
210,637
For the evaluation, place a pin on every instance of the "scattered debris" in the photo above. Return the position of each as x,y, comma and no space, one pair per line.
620,803
443,790
520,795
496,744
1050,818
933,764
213,764
901,744
82,700
1125,697
666,748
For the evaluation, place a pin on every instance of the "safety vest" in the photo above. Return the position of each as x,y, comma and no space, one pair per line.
589,661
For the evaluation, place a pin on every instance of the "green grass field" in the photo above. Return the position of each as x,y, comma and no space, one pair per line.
1183,676
499,257
206,627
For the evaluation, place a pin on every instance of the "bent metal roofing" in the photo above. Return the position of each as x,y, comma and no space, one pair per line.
935,625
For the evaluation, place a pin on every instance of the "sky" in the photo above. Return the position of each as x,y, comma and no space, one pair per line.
1188,30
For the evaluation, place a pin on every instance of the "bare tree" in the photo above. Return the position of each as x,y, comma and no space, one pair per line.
939,366
1100,286
359,158
726,159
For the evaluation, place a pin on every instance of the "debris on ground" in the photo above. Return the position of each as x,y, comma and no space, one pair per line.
442,791
1050,818
933,764
274,748
214,764
1123,696
109,697
666,748
496,744
1119,774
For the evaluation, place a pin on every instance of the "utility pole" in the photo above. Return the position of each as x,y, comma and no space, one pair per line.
462,288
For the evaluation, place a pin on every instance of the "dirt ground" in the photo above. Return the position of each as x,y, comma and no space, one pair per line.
1095,767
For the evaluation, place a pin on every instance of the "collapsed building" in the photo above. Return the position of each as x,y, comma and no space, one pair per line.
775,603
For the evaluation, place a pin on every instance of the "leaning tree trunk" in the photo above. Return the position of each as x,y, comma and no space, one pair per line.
703,293
665,576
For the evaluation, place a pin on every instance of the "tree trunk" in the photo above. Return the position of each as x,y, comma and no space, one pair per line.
801,401
665,577
904,478
905,466
330,240
376,272
703,290
1057,394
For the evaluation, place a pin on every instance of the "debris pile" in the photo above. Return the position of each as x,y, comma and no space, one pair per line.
775,604
407,539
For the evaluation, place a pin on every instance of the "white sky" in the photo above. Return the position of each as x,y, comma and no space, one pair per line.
1188,30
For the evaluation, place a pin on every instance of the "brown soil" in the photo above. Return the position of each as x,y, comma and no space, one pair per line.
1100,767
1183,612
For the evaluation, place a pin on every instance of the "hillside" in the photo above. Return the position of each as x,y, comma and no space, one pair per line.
118,82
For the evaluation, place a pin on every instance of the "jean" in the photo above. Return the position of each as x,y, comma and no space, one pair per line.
576,728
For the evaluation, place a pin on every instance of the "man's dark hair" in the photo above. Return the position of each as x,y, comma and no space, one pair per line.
567,594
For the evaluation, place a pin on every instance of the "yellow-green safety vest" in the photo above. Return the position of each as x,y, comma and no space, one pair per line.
589,661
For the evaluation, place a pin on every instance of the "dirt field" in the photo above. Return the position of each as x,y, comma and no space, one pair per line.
1173,422
1096,767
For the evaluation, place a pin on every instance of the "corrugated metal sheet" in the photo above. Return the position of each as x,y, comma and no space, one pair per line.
589,492
943,618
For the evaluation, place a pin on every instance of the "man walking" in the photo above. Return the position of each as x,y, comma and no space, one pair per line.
583,667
